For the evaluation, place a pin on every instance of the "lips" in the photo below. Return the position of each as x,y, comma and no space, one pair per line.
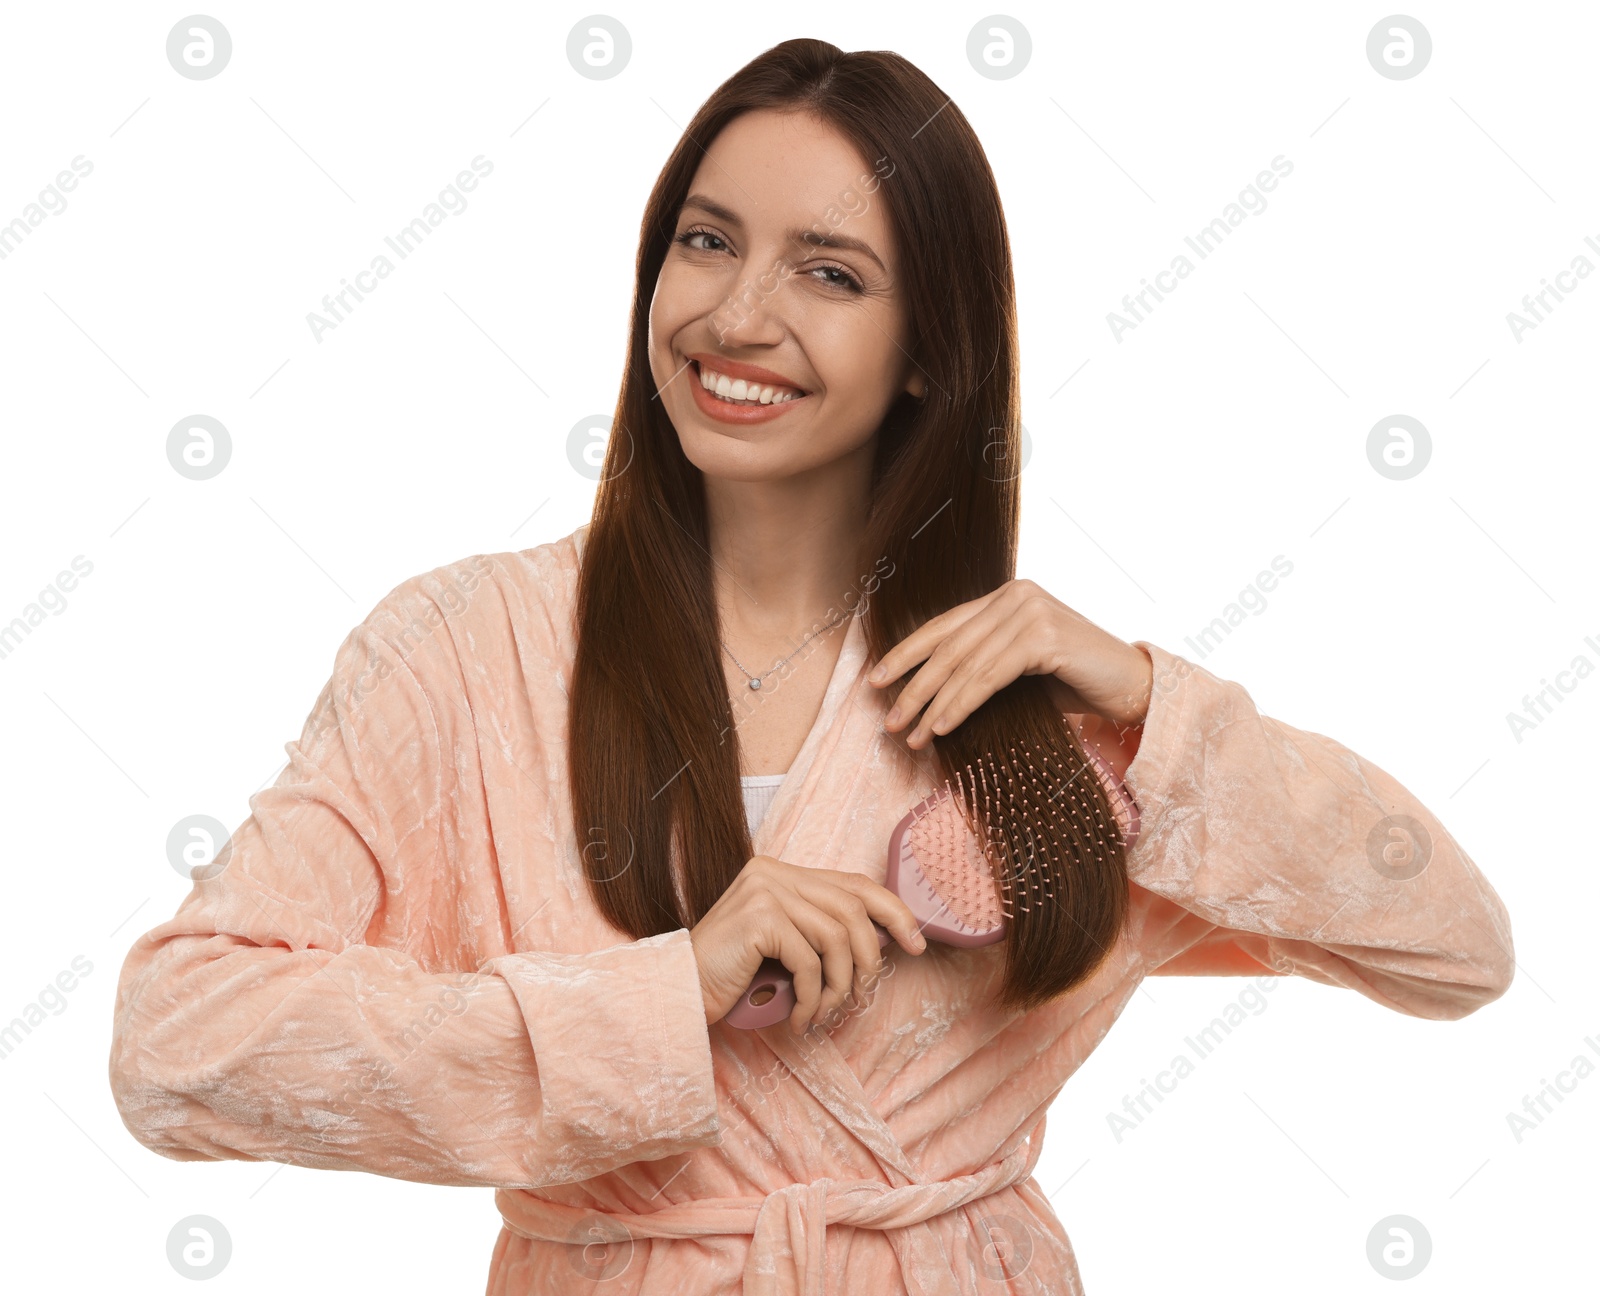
721,411
749,372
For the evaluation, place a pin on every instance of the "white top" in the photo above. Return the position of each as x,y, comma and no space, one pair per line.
759,789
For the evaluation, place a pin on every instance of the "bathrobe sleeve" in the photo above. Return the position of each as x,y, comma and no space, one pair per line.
321,1000
1283,851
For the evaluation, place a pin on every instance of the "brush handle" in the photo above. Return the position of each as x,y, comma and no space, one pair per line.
770,997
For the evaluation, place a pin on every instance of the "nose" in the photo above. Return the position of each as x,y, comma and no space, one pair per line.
752,315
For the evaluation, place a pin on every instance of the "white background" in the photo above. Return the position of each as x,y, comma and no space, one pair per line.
1228,428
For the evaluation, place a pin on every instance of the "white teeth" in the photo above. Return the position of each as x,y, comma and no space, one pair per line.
737,390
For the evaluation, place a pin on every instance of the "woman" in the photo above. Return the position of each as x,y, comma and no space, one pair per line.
485,927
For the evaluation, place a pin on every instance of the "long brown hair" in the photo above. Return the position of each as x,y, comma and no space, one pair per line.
651,770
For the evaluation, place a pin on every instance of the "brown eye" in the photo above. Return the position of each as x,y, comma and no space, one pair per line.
689,234
848,281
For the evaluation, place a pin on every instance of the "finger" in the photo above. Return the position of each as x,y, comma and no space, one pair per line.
883,906
805,967
922,641
1020,640
829,939
926,684
990,666
846,901
919,690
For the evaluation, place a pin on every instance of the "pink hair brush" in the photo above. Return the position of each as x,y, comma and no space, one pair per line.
948,878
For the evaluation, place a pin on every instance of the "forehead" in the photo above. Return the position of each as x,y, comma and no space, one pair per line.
787,171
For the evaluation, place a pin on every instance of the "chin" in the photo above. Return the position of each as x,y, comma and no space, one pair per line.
728,456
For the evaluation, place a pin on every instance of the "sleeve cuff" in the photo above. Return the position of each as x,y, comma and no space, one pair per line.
622,1048
1161,741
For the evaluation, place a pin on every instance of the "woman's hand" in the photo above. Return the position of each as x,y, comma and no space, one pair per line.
975,649
816,922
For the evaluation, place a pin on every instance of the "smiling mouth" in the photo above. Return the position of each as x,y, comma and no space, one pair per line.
738,392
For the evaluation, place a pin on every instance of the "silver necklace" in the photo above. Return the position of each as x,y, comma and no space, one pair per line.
755,680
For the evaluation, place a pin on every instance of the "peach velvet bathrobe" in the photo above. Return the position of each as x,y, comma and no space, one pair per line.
400,970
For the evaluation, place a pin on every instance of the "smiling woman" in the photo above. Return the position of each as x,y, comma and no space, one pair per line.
487,927
794,446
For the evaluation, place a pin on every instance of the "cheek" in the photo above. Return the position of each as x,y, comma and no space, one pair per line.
666,319
861,364
683,296
661,326
662,305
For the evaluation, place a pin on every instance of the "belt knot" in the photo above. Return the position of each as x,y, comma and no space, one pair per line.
788,1227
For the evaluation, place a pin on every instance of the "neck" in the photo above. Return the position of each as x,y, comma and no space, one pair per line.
784,552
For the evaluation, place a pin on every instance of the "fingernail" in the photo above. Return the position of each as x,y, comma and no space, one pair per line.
893,718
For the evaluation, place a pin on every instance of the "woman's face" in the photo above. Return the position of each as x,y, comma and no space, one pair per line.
741,289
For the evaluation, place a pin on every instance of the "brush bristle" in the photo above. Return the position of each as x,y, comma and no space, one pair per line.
1026,809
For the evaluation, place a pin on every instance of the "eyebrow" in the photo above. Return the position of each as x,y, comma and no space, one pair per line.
842,241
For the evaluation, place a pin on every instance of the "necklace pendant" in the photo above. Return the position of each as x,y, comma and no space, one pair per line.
755,683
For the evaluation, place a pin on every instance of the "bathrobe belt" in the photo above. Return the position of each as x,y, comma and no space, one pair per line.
789,1226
